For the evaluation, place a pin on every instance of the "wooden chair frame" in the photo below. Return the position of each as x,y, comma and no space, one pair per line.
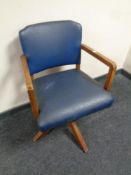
112,65
33,100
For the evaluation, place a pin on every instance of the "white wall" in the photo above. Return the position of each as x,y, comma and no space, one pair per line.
127,63
105,27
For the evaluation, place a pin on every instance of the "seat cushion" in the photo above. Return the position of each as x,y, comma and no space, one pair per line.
67,96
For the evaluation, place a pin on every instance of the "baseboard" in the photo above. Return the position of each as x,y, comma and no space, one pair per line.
27,105
14,110
126,74
119,71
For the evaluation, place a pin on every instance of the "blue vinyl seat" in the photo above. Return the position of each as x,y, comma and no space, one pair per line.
63,97
67,96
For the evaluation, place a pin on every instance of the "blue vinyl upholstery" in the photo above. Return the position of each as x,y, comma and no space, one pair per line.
51,44
67,96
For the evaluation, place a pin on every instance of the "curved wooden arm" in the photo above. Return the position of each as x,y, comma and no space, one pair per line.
112,65
30,88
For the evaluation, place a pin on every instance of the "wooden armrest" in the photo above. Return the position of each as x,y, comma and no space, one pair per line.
112,65
30,88
27,76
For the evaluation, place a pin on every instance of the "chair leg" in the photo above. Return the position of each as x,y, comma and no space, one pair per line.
38,135
78,136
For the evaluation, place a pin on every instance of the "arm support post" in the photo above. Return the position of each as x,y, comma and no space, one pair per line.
30,88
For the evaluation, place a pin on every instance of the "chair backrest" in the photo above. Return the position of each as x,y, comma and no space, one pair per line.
51,44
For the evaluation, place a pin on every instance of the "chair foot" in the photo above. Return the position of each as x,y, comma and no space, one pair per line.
78,136
38,135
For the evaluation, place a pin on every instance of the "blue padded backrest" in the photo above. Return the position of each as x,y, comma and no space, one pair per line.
51,44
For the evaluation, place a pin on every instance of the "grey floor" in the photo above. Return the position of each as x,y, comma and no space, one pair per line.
108,134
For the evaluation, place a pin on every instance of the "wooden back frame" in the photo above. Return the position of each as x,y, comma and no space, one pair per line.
28,78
